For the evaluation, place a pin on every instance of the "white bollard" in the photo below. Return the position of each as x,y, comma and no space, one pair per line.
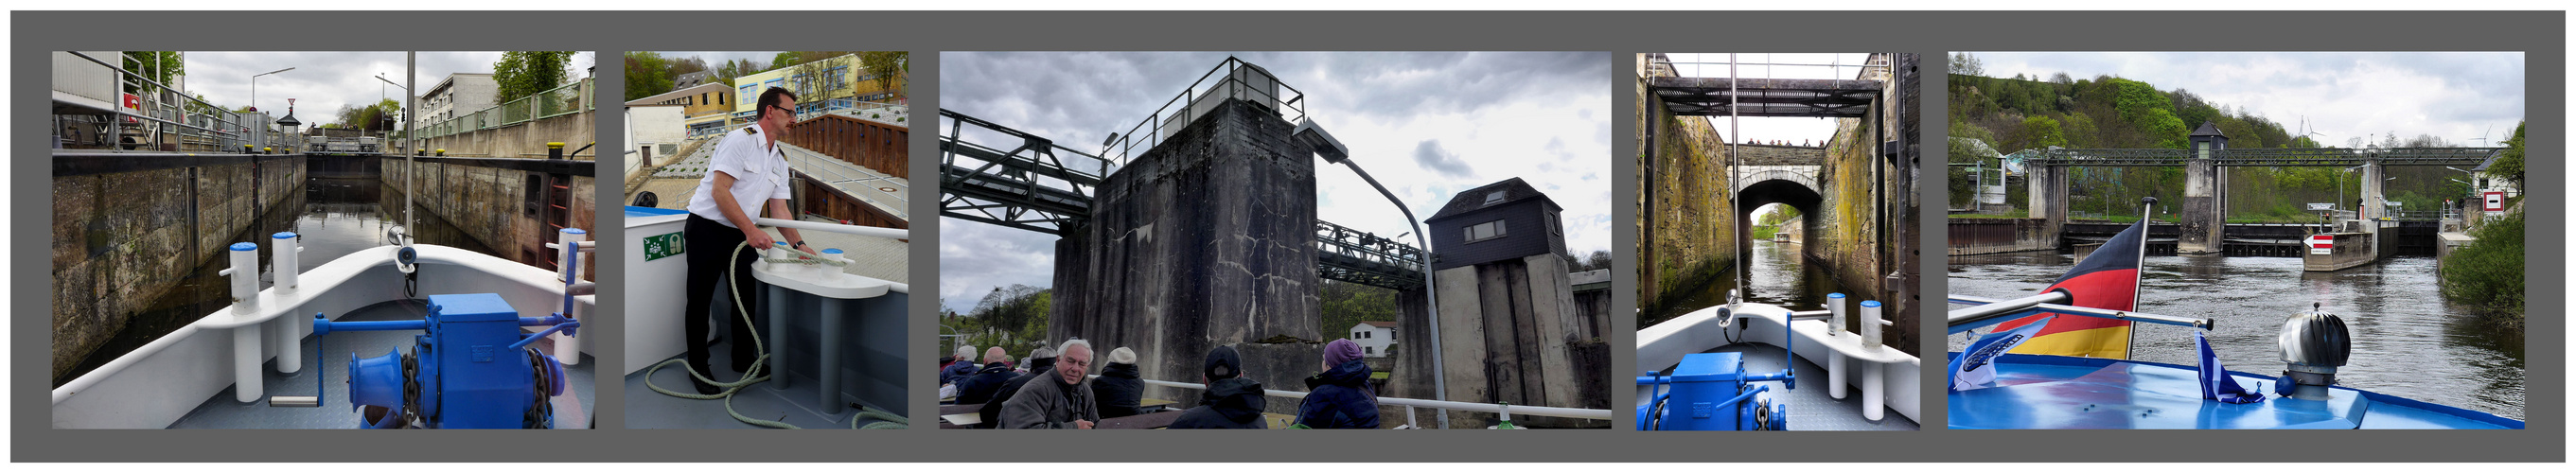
1834,374
1835,303
1873,404
1873,381
247,384
568,350
288,341
831,274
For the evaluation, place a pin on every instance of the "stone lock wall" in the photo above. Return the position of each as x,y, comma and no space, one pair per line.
488,204
1685,213
124,239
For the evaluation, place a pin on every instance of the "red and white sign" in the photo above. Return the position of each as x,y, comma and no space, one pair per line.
2321,244
2494,201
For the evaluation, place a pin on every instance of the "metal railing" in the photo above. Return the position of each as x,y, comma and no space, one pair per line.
1348,255
1230,85
1506,409
201,127
568,99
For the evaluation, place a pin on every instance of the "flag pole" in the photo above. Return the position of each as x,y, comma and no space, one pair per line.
2137,289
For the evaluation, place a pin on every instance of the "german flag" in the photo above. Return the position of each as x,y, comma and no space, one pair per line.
2106,279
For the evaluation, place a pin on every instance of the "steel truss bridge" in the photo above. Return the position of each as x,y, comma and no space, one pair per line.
1010,178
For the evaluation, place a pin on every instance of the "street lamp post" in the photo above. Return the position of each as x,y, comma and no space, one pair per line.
254,94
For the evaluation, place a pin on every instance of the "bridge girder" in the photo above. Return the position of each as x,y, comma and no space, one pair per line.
1719,96
2267,157
1027,187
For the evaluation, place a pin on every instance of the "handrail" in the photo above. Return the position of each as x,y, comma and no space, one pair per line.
1989,311
214,115
860,230
1542,411
1188,99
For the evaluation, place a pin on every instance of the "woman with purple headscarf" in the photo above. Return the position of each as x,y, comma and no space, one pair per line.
1340,397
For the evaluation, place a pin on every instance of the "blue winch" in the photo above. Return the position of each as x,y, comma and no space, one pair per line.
1712,391
473,368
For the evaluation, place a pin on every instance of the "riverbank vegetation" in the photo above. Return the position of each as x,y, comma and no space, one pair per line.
1995,117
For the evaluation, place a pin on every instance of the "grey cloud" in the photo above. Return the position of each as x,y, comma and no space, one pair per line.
1430,156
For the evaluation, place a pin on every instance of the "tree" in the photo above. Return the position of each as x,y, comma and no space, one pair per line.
886,67
1600,259
1343,305
169,65
2508,166
1011,311
520,74
647,74
687,65
1966,64
782,60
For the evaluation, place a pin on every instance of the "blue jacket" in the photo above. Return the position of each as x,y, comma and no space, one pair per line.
1340,398
981,387
956,371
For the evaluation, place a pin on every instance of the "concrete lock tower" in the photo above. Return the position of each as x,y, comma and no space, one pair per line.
2204,220
1510,329
1205,239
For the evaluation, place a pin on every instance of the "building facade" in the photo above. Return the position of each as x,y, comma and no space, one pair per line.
704,108
837,82
460,93
1374,337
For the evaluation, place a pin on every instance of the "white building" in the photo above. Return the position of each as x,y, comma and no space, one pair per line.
1374,337
459,94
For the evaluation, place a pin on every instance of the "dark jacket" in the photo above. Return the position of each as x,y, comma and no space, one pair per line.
1233,403
957,371
1118,390
1048,403
979,389
992,410
1340,398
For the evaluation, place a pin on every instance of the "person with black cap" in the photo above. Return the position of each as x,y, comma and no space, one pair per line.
1230,401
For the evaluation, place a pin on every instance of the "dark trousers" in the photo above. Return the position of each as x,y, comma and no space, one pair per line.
710,245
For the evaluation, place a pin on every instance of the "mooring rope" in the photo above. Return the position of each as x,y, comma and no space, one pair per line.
754,375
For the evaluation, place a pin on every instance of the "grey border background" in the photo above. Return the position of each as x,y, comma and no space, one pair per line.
2542,36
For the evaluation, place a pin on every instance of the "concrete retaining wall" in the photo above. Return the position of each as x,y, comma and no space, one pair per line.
2350,250
1511,333
1977,236
525,140
489,204
123,239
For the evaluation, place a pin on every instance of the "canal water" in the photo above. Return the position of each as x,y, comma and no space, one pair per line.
334,217
2407,340
1781,276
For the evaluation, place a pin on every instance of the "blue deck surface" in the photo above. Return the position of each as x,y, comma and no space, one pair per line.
2057,392
646,409
633,211
222,412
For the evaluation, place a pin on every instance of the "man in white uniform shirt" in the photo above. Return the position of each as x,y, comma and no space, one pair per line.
747,173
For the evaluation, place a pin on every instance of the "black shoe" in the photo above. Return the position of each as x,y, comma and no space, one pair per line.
742,364
704,389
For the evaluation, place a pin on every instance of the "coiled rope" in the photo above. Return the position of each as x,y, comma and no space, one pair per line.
754,375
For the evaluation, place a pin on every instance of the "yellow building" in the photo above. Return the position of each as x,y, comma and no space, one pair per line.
841,81
704,108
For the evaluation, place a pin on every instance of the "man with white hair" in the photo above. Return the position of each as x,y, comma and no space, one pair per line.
1059,398
964,366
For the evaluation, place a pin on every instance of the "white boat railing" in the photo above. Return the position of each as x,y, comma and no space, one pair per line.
1889,378
1505,409
153,386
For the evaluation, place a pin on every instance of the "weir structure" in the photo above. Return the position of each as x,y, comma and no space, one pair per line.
1197,228
1856,190
2204,229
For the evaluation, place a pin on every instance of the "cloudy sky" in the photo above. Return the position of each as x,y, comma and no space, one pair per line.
1813,131
1427,125
2456,96
324,81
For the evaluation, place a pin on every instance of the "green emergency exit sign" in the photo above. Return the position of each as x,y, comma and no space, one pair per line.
663,246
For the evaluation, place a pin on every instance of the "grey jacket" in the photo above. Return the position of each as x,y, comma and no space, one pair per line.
1044,404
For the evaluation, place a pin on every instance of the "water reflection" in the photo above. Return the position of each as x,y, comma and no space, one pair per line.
1781,276
335,217
2407,340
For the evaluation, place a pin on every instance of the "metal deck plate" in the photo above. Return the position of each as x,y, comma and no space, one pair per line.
646,409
